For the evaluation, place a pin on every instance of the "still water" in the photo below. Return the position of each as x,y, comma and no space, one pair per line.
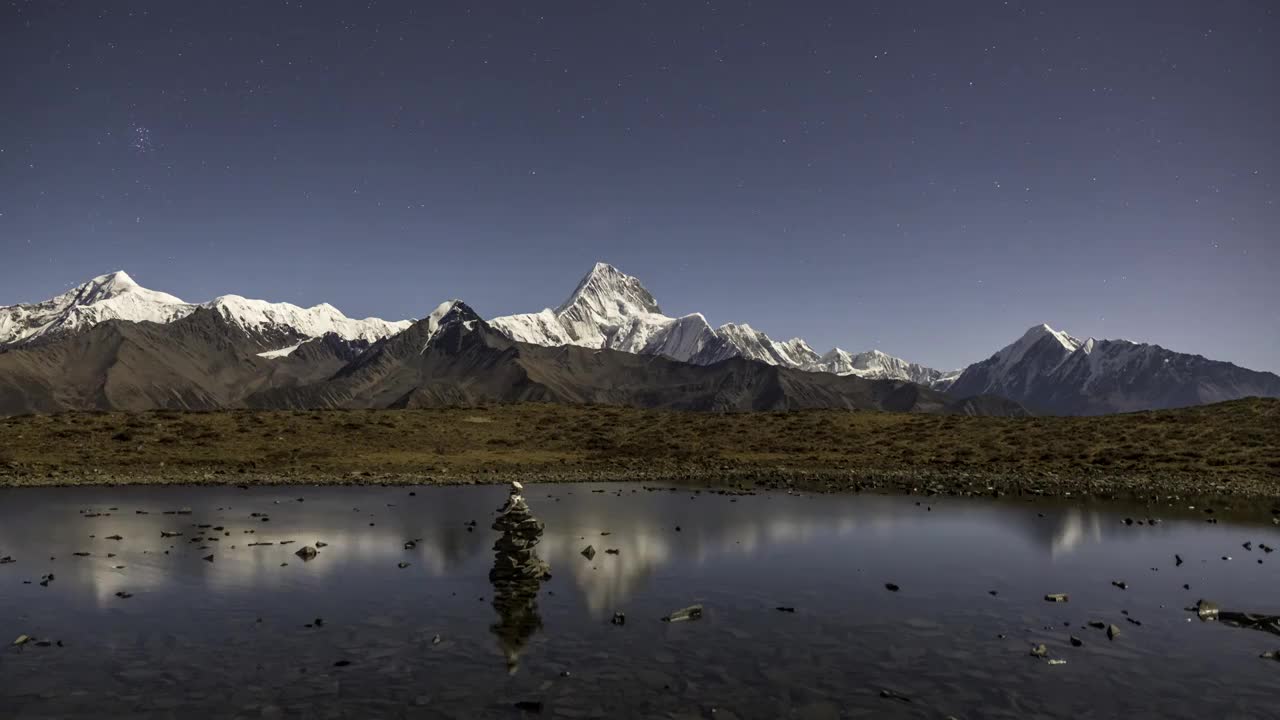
158,631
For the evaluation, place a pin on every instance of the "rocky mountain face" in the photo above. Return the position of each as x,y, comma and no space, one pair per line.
1053,373
112,344
117,297
452,357
455,358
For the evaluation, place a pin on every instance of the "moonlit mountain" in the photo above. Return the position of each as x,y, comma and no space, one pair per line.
116,296
113,344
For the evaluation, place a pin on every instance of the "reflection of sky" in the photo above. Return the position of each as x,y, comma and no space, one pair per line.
797,531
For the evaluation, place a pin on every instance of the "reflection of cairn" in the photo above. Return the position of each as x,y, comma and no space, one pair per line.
517,575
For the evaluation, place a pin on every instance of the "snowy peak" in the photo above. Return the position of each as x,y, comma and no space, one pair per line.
117,296
284,319
114,296
446,315
612,310
877,365
1038,332
607,292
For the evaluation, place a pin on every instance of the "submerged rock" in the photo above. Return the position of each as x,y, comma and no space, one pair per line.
1057,597
588,552
1041,650
693,612
306,552
1112,632
1207,611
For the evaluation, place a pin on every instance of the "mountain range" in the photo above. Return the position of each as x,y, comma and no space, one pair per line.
113,344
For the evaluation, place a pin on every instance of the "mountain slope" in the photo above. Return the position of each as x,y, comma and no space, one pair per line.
455,358
116,296
1051,372
199,362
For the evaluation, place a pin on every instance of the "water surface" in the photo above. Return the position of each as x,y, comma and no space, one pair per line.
229,638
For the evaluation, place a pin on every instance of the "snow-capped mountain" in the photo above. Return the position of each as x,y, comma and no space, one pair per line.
612,310
116,296
107,297
876,365
1052,372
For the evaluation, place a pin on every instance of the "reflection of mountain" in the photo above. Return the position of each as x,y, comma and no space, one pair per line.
641,525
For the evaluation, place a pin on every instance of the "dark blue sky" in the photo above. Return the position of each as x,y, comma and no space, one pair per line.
928,178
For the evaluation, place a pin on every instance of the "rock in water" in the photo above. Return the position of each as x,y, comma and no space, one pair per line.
1056,597
306,552
693,612
517,576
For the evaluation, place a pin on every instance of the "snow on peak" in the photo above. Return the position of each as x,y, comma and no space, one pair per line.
1035,333
117,296
612,310
260,316
609,293
114,296
446,313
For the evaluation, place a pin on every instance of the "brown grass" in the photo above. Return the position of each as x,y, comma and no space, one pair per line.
1219,443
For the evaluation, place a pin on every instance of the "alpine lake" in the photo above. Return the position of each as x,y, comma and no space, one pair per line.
184,602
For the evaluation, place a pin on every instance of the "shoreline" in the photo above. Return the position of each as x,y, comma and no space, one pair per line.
1179,492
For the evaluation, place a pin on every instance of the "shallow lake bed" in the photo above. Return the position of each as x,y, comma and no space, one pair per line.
407,625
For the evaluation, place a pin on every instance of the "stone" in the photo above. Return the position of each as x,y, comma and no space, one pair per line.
1112,632
693,612
891,695
619,619
402,565
306,552
891,587
21,640
786,609
1040,650
588,552
1056,597
1076,642
208,558
1120,584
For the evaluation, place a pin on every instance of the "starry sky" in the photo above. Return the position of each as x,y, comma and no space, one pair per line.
926,177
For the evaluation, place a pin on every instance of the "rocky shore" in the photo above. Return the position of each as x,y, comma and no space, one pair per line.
1170,489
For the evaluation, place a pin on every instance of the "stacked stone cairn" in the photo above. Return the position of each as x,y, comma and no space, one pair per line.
517,576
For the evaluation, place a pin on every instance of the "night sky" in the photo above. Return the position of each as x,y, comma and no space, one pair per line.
928,178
